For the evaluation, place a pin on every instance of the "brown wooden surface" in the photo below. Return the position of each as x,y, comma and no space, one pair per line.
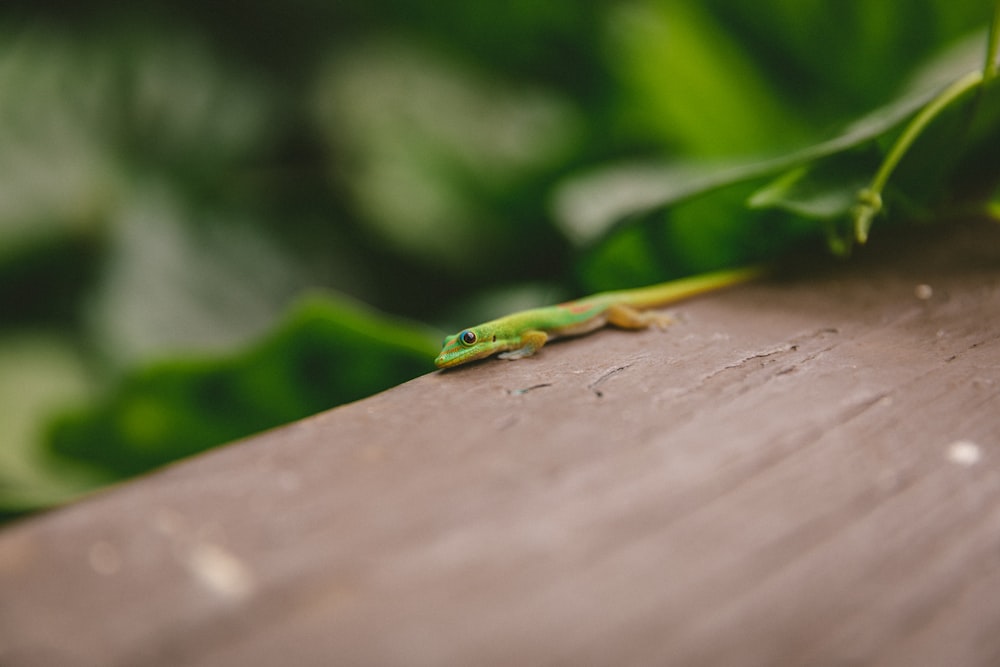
803,471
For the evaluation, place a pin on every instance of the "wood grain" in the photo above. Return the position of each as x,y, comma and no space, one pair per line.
802,471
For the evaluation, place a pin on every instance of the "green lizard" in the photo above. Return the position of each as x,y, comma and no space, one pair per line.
522,334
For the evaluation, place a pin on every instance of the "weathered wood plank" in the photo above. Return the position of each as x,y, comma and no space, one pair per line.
801,471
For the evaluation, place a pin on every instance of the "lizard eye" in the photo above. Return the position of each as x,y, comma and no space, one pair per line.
468,337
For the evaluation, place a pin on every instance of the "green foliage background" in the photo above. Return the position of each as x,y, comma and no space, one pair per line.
196,199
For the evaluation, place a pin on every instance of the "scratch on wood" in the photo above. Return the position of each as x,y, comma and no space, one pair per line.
753,357
525,390
792,346
593,386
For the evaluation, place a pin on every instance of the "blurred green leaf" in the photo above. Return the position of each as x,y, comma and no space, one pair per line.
57,176
435,146
85,128
39,373
179,276
833,60
590,206
690,85
696,235
329,351
76,117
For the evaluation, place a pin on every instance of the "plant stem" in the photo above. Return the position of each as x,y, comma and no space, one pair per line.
869,200
992,46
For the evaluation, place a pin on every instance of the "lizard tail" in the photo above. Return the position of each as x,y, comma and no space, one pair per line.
684,288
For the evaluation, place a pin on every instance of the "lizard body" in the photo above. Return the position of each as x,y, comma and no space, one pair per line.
524,333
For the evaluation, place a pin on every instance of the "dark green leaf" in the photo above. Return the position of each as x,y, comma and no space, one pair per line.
588,206
329,351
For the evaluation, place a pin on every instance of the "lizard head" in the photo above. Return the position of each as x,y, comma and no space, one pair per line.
467,345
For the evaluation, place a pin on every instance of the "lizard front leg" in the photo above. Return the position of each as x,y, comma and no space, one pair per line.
531,341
